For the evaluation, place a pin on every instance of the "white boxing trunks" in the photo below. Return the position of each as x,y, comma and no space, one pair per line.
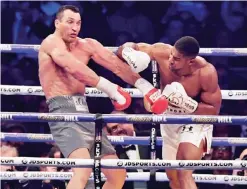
174,134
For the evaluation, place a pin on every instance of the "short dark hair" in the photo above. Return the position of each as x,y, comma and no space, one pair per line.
188,46
66,7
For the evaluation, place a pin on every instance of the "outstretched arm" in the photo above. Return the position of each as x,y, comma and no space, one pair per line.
110,61
211,96
79,70
103,56
56,48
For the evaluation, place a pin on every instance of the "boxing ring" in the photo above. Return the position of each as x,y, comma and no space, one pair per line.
153,164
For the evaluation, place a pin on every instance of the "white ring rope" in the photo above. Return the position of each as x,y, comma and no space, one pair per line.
144,176
20,48
93,92
130,164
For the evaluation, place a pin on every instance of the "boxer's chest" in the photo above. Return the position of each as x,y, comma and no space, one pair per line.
190,83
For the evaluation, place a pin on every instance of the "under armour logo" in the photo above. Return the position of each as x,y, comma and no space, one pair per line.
187,129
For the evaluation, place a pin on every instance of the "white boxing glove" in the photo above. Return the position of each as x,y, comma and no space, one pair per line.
137,60
178,97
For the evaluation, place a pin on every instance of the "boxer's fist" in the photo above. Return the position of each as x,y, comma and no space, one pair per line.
177,96
155,102
127,44
137,60
121,100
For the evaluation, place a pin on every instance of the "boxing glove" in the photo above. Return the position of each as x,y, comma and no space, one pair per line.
177,96
120,98
154,101
137,60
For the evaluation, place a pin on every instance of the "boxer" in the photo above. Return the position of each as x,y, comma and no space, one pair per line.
190,83
63,74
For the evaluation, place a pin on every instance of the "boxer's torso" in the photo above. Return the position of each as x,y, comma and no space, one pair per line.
56,81
191,83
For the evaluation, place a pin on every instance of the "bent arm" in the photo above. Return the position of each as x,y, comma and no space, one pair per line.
110,61
211,96
62,57
154,51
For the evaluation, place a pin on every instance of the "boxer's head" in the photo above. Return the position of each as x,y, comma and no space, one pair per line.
68,22
183,54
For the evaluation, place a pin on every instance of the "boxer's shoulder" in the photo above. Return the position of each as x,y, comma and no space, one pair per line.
205,66
52,41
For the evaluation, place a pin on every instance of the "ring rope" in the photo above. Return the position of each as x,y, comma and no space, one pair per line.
93,92
120,118
19,48
129,164
122,140
144,176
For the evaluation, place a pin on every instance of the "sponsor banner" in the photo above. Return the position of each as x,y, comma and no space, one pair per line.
205,177
143,164
206,164
7,175
67,118
50,162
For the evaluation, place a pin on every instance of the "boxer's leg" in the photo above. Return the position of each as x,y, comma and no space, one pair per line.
169,152
80,175
115,177
192,145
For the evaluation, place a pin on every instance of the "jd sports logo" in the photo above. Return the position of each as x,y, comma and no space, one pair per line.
24,161
120,163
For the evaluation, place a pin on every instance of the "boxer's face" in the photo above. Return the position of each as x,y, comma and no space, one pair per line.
69,25
120,129
177,61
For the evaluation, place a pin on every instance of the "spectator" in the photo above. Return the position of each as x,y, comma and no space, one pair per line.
134,152
128,19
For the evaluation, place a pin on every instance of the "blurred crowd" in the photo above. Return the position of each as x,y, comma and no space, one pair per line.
213,24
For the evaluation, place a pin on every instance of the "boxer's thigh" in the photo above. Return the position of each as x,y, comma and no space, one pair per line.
170,142
70,136
194,140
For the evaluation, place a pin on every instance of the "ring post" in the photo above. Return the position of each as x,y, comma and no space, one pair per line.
97,151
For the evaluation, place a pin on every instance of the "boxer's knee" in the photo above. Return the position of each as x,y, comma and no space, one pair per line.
173,179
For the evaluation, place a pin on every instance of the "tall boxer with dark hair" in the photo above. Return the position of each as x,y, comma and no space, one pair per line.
190,83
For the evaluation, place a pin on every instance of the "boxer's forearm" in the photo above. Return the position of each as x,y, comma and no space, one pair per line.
205,109
124,71
111,62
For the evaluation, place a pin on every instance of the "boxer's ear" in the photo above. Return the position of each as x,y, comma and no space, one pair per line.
56,22
192,61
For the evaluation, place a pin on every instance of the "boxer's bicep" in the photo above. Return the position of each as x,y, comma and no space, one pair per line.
145,47
56,49
211,94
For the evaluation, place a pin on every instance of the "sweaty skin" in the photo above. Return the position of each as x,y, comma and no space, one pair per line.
198,79
202,78
63,68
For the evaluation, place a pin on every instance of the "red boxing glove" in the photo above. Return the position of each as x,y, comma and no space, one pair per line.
155,102
120,98
125,95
